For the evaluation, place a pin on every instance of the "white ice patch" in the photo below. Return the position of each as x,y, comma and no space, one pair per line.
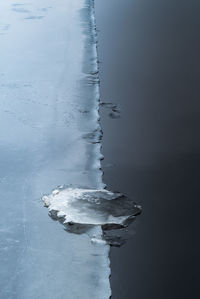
90,206
98,241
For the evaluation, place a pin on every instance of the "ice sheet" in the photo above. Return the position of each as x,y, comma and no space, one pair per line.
48,109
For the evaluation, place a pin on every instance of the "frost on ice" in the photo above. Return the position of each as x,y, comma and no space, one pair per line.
84,206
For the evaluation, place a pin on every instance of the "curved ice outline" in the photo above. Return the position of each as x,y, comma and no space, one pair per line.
93,79
58,209
95,232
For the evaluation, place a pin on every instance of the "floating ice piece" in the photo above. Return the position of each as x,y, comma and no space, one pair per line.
91,207
98,241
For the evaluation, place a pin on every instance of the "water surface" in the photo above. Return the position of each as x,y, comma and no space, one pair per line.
149,53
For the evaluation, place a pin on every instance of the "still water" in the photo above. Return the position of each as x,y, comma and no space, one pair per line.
150,69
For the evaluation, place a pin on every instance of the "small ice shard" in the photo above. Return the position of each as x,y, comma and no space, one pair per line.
98,241
91,207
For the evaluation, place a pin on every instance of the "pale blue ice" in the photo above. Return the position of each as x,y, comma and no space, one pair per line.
48,104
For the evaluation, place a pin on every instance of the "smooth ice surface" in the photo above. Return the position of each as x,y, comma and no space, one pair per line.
48,108
90,206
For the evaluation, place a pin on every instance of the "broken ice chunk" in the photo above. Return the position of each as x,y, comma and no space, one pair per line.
91,207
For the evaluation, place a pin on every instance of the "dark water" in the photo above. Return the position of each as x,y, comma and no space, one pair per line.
150,53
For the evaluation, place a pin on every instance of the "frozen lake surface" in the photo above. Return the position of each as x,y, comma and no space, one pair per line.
48,132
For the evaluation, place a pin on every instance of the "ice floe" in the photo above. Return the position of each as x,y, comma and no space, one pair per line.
86,206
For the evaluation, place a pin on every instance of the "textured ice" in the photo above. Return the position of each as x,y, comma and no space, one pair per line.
50,133
49,99
90,206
